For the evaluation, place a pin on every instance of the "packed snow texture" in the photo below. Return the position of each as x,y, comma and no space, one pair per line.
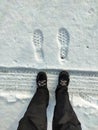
48,35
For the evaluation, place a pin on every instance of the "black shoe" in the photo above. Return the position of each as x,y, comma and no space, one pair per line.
41,79
63,80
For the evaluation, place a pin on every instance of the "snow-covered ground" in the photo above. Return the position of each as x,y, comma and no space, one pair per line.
48,35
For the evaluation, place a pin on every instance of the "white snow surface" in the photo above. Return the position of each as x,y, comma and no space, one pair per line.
48,35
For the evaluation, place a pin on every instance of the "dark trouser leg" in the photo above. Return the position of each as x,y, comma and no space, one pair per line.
64,115
35,117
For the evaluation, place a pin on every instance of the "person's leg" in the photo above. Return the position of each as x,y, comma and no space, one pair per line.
64,116
35,117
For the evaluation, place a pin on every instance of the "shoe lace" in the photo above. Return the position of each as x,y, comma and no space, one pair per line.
42,83
63,82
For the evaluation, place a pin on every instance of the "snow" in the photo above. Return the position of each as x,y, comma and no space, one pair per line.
48,35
